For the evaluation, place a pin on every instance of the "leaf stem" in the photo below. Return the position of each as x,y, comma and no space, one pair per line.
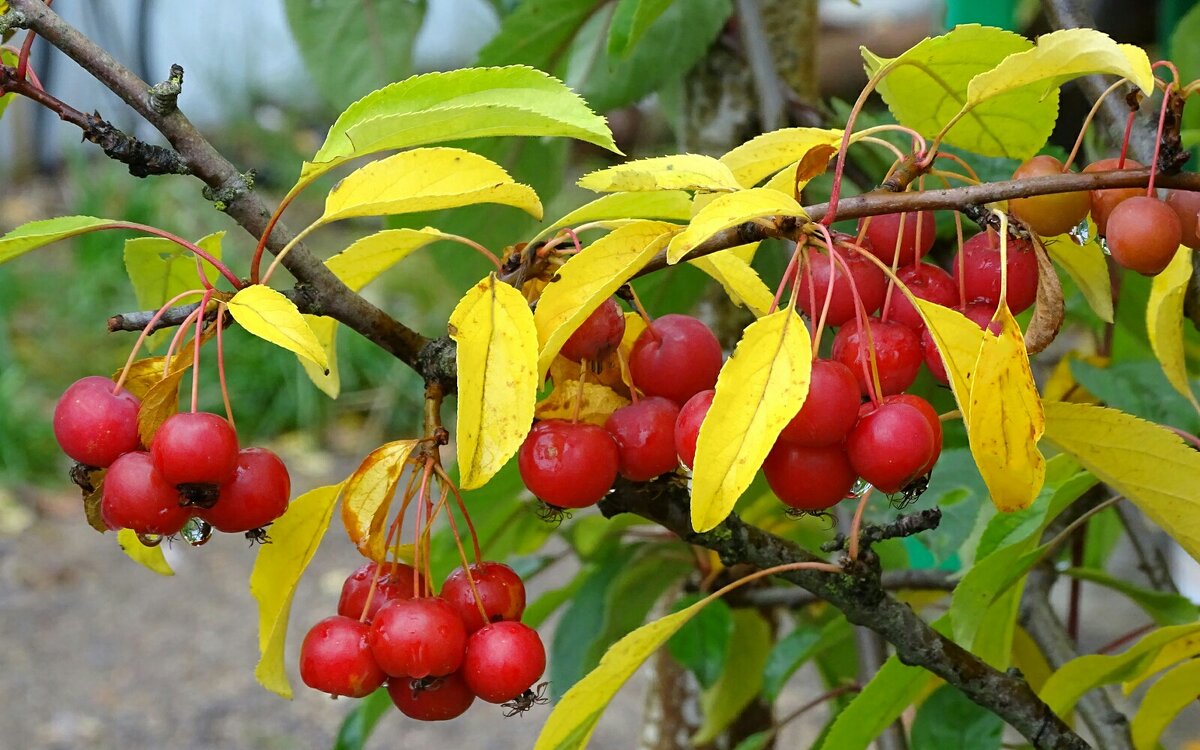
1087,121
856,524
266,277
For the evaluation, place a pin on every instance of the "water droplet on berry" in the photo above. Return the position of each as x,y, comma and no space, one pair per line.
860,488
196,532
150,540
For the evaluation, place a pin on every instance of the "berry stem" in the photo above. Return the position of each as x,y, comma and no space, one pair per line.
420,497
819,330
462,553
145,333
840,169
786,280
870,367
917,139
641,310
221,308
962,163
1162,119
856,524
474,245
1125,140
204,282
196,351
1087,121
626,375
462,506
880,142
176,340
583,368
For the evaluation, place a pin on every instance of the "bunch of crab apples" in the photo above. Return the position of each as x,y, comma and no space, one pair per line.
193,468
436,654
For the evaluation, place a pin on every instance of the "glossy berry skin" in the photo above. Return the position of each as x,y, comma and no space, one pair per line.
440,699
500,589
809,479
676,357
645,435
395,583
600,334
417,638
883,230
93,426
926,281
979,313
868,280
195,448
1104,201
568,464
1053,214
687,425
256,496
503,660
1143,235
897,354
890,445
136,497
1186,204
931,418
335,659
830,409
980,263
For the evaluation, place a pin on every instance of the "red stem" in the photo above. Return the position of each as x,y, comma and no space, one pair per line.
221,307
146,333
1162,118
256,261
196,351
197,251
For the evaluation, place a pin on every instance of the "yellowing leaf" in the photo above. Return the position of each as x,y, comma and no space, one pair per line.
683,172
573,720
770,152
160,403
1061,56
927,87
497,377
367,496
729,211
590,277
740,281
595,401
1086,266
426,179
35,234
1005,418
1179,649
151,557
671,205
1162,703
295,537
760,388
1148,464
1164,320
269,315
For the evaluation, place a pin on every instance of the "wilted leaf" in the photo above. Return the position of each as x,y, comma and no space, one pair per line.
1164,320
741,282
683,172
595,402
761,387
272,317
1048,315
728,211
295,537
770,152
367,496
497,377
1086,266
150,557
1172,693
35,234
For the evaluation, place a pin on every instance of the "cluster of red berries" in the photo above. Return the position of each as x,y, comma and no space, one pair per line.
436,653
193,467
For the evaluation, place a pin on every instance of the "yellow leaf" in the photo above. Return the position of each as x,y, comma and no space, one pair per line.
590,277
1147,463
269,315
958,340
596,402
1162,703
671,205
760,388
1059,57
1179,649
367,496
683,172
573,720
1062,386
740,281
158,405
729,211
1005,418
1086,266
295,537
329,380
770,152
1164,320
1028,658
151,557
426,179
497,377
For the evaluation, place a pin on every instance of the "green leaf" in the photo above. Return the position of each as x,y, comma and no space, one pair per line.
360,722
802,644
702,644
549,602
742,679
630,20
1186,56
350,48
1139,388
159,269
1173,692
949,719
536,32
35,234
756,741
1165,607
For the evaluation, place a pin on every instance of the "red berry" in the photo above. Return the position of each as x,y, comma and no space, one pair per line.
136,497
890,445
92,425
432,699
645,435
335,659
503,660
395,583
869,281
418,638
598,335
897,354
931,417
1104,201
568,464
926,281
676,357
687,425
807,478
979,260
1186,204
882,232
256,496
195,448
1144,234
830,410
978,312
1052,214
500,589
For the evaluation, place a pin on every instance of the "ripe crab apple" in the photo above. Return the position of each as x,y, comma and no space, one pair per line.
919,232
568,464
598,335
503,660
687,425
500,590
431,698
417,638
93,425
676,357
336,659
136,497
256,495
645,435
